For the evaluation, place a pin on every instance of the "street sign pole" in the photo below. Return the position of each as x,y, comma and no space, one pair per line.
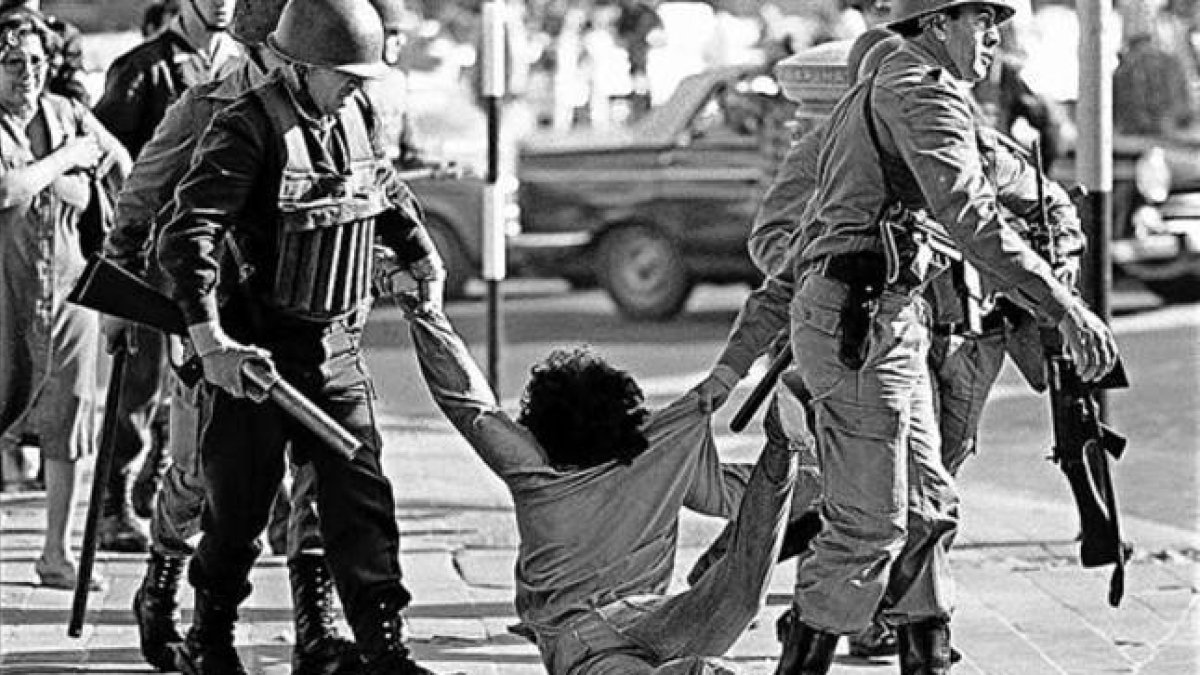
1094,155
492,64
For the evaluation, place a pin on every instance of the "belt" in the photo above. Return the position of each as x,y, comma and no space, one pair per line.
864,269
992,322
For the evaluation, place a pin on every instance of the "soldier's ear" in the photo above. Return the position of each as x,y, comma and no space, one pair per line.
937,25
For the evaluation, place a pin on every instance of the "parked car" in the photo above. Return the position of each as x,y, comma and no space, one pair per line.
653,208
453,216
1156,212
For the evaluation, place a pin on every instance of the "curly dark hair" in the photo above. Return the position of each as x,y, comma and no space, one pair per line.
583,411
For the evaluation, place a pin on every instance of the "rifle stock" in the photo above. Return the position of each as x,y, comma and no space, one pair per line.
104,460
107,288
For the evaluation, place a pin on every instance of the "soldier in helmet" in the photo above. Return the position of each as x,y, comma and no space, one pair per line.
139,87
176,517
291,173
908,137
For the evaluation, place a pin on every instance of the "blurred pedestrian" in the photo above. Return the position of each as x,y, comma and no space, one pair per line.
1151,88
52,150
140,84
66,68
288,170
636,22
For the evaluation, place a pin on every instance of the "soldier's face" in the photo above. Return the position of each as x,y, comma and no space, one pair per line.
330,89
972,40
217,12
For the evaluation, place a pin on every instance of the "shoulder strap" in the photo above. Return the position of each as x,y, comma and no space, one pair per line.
869,116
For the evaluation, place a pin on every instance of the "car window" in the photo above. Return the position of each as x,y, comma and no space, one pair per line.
734,111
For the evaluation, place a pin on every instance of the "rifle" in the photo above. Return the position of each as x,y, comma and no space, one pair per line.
106,287
104,461
1082,442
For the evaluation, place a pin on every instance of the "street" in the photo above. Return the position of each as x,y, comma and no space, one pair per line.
1025,607
1156,479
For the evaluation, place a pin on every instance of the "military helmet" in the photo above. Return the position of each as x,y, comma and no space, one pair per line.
254,20
905,12
345,35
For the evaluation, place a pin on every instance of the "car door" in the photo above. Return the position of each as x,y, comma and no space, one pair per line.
714,176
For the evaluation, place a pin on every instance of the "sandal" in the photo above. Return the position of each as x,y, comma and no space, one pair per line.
64,576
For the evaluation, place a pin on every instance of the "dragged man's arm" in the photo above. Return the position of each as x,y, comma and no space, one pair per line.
462,392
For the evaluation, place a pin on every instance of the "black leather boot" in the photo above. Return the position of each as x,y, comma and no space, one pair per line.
382,642
208,649
149,477
156,608
319,649
118,529
806,650
925,647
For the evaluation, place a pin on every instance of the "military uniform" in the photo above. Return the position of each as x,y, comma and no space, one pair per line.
302,196
140,86
175,521
889,504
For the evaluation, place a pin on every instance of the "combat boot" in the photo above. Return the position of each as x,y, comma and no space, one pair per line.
118,529
208,648
319,650
806,650
149,478
382,642
156,608
925,647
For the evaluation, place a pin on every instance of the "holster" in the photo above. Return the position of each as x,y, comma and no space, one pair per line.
863,274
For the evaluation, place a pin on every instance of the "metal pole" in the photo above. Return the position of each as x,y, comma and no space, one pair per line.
1094,155
492,63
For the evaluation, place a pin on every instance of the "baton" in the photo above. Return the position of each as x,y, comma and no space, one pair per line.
303,410
104,461
759,394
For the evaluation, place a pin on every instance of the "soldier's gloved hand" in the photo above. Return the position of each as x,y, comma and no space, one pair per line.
714,389
1089,341
223,359
389,278
430,276
117,332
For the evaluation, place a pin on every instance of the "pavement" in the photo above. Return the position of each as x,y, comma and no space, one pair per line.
1025,606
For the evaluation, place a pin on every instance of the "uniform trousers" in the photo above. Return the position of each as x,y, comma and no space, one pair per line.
175,521
889,506
243,453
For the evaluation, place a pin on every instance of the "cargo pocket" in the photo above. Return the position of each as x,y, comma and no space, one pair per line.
815,342
862,456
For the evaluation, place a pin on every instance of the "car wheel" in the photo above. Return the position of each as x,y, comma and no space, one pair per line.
458,266
643,272
1184,288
